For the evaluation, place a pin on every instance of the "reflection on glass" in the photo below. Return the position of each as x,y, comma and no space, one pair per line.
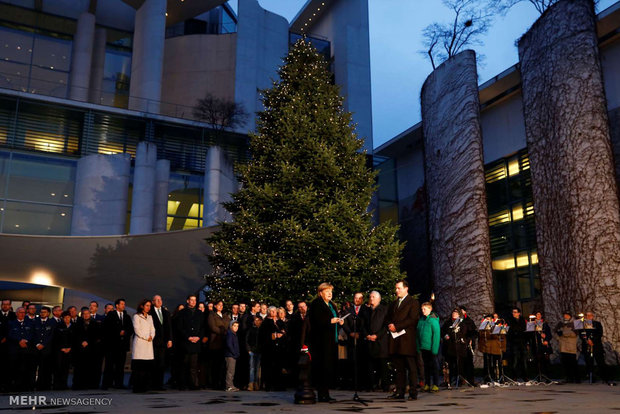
116,76
34,62
41,179
27,218
184,202
4,161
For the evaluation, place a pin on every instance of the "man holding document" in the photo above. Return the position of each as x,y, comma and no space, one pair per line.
402,322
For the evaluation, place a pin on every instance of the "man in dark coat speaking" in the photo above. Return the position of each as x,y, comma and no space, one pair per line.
402,322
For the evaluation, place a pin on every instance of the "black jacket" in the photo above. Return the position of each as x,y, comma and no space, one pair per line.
163,331
112,327
191,323
405,317
64,337
91,333
376,326
44,334
356,323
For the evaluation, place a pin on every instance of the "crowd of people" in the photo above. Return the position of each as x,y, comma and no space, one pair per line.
367,344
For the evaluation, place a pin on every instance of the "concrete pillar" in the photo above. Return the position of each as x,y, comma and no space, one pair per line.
81,57
148,56
457,212
213,172
160,213
143,196
220,182
101,190
573,180
98,63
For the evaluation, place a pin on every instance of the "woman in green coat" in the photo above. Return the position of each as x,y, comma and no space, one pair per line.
428,344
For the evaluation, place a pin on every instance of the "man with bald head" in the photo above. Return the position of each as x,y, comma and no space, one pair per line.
377,338
162,340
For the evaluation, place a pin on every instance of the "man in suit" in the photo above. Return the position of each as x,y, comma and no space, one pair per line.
56,313
97,353
6,315
355,329
295,332
93,308
20,339
162,341
31,312
242,372
6,311
44,327
218,326
117,332
377,337
402,322
191,327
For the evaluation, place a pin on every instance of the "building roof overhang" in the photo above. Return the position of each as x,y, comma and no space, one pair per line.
181,10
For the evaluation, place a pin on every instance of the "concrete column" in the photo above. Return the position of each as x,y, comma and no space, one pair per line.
101,190
573,180
143,196
81,57
148,56
457,212
98,63
162,177
213,172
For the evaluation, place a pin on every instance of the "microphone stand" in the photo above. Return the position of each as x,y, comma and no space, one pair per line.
356,398
503,379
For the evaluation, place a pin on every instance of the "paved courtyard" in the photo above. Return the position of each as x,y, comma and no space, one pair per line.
582,398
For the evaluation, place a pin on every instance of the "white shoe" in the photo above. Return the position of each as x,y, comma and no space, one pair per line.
232,389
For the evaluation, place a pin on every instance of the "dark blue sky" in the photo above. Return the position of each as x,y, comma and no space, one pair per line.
398,70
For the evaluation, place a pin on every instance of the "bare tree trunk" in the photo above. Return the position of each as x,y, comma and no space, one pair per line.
458,219
573,181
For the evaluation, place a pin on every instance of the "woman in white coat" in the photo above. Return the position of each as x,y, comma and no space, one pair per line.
142,348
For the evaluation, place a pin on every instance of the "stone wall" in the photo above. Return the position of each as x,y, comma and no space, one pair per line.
457,210
573,180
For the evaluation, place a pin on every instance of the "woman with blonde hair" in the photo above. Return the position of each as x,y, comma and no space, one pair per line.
324,322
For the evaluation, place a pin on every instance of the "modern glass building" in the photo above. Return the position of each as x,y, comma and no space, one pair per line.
509,196
102,150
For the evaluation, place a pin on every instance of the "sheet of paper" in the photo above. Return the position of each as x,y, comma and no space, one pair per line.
345,317
397,334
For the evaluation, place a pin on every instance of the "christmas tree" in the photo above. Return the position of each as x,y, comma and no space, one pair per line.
301,217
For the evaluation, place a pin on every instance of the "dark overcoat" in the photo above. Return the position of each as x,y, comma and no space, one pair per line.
377,326
323,343
404,317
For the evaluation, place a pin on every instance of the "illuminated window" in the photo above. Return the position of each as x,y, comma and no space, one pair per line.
512,231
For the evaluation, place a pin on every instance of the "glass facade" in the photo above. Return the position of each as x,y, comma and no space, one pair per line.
36,194
185,199
220,20
35,55
34,61
387,192
512,232
40,144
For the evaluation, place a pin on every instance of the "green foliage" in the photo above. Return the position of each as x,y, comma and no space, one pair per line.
301,215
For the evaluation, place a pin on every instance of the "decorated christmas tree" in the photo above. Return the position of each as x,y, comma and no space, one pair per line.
301,217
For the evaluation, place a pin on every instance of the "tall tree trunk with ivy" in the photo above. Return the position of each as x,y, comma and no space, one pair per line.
573,180
458,220
301,216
